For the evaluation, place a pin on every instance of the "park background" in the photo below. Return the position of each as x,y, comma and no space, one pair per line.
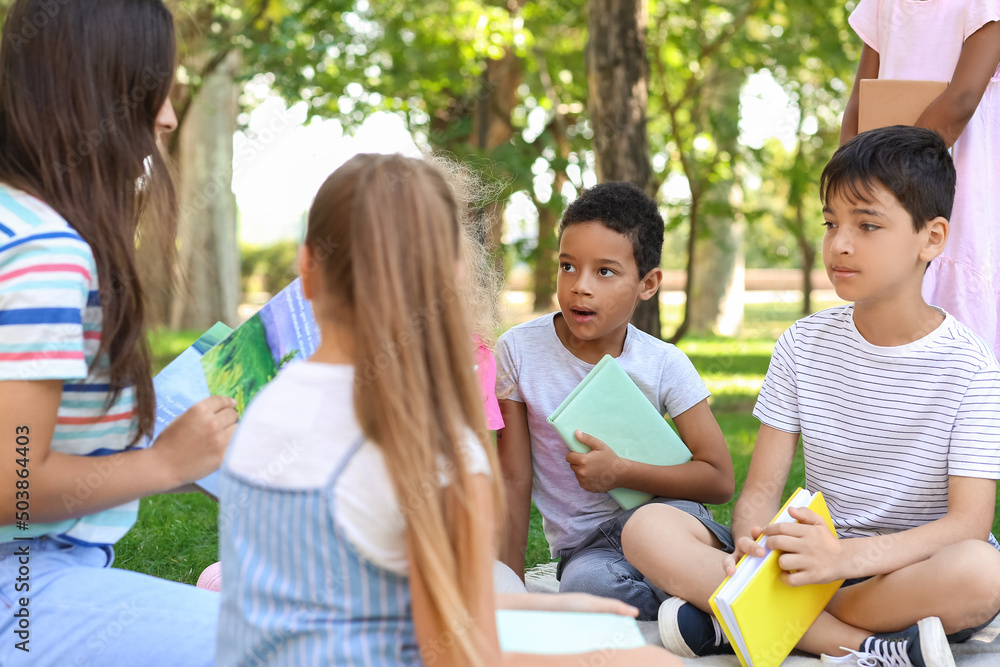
725,112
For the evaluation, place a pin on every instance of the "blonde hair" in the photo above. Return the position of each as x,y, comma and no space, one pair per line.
484,281
387,231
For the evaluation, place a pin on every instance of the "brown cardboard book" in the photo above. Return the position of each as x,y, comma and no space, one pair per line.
894,101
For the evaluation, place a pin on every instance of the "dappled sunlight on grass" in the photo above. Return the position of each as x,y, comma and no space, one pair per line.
733,393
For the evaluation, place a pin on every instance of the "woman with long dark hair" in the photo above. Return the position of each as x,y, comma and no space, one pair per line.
83,100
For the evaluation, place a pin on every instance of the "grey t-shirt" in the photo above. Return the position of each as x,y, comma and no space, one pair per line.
534,368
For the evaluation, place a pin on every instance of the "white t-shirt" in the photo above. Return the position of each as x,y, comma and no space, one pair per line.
884,427
534,368
299,427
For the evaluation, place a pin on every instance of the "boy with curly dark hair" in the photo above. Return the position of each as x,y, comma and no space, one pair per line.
610,241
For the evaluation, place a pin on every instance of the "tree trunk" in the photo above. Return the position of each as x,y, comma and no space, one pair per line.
491,127
693,268
617,75
209,257
546,254
808,260
717,296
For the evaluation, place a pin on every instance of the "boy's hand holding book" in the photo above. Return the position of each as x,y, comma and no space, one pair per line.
811,554
744,545
608,423
764,608
597,471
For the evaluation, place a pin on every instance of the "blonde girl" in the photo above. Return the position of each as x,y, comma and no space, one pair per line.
359,486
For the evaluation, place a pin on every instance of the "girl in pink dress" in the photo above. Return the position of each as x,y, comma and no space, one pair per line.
956,41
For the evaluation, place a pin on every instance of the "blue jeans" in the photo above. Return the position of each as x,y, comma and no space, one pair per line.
597,565
83,613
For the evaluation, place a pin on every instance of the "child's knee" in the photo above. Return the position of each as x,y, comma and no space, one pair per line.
971,556
648,525
977,565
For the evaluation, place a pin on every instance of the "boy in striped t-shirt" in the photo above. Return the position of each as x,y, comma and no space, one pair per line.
898,407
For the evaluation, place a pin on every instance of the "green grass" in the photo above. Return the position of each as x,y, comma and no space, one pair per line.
166,344
175,537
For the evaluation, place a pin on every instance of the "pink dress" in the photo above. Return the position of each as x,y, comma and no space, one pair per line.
486,369
922,40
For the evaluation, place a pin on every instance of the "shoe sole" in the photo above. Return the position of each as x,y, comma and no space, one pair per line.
934,643
670,633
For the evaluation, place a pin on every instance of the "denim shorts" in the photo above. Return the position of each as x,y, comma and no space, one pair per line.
608,533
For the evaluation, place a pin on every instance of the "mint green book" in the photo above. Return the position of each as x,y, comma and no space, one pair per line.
565,632
608,405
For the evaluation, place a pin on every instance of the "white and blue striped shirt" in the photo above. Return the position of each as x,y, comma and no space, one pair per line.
883,428
50,329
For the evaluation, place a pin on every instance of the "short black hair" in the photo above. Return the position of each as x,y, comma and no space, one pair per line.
622,208
910,162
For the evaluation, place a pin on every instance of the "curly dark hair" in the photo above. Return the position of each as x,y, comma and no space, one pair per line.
623,208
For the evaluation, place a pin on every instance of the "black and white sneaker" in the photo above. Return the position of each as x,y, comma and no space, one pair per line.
922,645
689,632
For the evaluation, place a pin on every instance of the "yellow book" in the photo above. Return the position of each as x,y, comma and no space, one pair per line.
763,617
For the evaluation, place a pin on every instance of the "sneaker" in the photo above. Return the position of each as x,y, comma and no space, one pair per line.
852,659
689,632
922,645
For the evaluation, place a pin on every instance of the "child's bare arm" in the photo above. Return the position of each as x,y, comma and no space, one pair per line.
760,498
707,478
575,602
816,557
63,486
951,111
514,454
867,69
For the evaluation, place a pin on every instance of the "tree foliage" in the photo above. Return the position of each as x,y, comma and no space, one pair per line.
704,51
458,71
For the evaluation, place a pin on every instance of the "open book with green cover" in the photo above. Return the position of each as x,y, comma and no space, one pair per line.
182,383
763,616
237,363
608,405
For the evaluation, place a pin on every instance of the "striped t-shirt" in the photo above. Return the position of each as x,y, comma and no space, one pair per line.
884,427
50,329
